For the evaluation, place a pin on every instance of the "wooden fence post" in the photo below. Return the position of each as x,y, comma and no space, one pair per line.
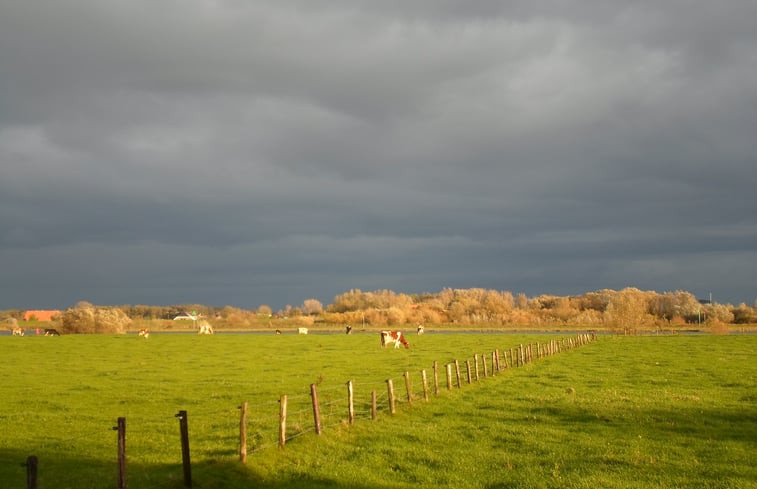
243,433
436,378
374,408
283,421
121,428
425,385
316,409
468,372
390,390
184,430
486,368
408,388
499,364
449,376
350,404
31,472
457,374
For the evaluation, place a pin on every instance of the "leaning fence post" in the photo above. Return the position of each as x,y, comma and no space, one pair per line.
243,433
390,390
31,472
184,430
316,409
408,388
121,428
374,408
436,378
283,421
350,404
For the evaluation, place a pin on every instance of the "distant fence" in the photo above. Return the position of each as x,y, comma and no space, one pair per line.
324,408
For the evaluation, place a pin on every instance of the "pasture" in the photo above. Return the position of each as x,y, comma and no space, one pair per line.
622,412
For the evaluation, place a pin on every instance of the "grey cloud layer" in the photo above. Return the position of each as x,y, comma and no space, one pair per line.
283,150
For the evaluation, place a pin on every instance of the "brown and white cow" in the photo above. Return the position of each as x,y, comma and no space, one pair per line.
144,332
205,329
18,331
396,337
302,331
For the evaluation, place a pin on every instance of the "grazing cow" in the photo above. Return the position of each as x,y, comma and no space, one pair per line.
302,331
51,332
278,331
348,329
420,329
396,337
144,332
18,331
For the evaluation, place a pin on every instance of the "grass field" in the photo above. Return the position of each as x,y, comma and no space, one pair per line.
623,412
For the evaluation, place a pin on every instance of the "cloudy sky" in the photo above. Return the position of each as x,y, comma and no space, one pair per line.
248,152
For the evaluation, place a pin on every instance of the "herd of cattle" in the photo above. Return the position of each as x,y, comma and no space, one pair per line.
388,338
47,332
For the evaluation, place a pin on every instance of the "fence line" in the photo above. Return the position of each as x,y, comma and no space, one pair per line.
339,410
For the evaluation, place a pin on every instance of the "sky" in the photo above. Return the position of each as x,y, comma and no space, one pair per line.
250,152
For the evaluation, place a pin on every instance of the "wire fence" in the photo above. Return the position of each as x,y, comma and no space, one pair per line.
234,431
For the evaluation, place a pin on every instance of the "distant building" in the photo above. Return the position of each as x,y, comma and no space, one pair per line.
185,316
40,315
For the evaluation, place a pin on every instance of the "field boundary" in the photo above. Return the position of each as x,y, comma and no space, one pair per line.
324,408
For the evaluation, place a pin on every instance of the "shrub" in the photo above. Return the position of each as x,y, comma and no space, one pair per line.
91,319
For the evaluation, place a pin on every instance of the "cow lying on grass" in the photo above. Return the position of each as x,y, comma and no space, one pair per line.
396,337
51,332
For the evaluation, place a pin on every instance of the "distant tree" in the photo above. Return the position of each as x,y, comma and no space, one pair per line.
628,309
719,312
312,307
264,309
94,320
744,314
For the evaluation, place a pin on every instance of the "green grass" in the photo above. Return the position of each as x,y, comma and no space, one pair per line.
623,412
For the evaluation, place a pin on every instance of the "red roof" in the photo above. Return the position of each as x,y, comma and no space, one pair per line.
41,315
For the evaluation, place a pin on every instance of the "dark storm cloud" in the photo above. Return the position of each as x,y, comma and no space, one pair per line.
230,152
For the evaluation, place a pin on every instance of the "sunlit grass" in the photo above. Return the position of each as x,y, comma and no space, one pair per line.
622,412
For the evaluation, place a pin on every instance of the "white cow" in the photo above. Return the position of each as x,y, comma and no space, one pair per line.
204,327
302,331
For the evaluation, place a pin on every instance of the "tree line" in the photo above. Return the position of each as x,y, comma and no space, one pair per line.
624,310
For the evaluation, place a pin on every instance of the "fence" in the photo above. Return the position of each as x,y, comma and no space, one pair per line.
324,408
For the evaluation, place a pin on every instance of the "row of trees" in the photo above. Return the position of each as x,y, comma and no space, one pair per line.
627,309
